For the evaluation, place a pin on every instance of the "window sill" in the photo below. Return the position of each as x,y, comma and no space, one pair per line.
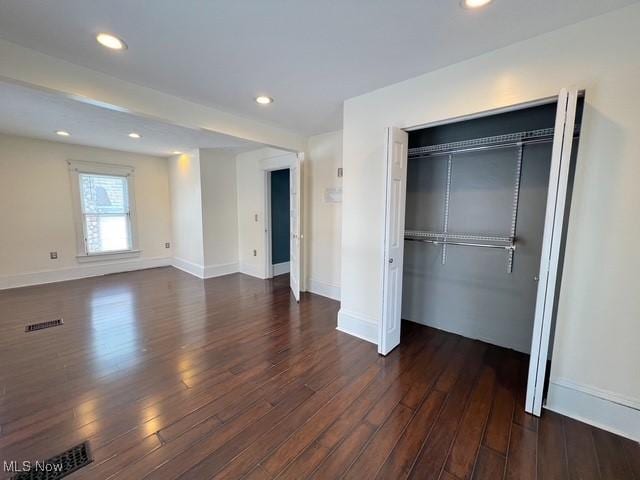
101,257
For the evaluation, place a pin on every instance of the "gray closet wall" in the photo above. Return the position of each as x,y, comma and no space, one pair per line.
473,294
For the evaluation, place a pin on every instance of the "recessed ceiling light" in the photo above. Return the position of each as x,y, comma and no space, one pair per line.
475,3
264,100
111,41
135,135
63,133
176,152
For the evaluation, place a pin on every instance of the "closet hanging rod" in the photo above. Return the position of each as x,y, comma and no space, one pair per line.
462,244
419,234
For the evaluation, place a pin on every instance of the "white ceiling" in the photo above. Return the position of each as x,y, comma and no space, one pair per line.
33,113
310,55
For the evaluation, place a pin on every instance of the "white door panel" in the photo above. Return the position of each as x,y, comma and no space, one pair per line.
396,186
294,210
551,245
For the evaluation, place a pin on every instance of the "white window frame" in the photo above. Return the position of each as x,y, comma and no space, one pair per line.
77,167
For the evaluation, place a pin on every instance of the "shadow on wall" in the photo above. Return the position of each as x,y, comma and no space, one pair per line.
597,173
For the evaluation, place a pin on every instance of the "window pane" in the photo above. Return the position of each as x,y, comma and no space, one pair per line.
104,194
109,233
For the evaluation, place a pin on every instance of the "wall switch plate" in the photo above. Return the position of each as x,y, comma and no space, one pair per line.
255,217
340,172
53,255
255,253
167,245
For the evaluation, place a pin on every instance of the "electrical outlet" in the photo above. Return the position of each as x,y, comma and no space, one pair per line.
255,253
167,245
53,255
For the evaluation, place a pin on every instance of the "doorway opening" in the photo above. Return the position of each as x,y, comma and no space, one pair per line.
279,222
476,214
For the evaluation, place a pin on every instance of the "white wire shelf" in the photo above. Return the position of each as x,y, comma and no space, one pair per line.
461,239
510,139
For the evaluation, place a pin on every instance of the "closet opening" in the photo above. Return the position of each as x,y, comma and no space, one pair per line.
479,223
278,222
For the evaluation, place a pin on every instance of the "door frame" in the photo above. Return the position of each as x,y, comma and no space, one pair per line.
268,252
543,325
278,162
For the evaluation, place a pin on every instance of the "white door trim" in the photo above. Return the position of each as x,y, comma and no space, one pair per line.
268,270
268,165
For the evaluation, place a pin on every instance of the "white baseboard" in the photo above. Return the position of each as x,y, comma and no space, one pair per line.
619,415
81,271
281,268
211,271
358,326
188,267
206,271
252,270
322,288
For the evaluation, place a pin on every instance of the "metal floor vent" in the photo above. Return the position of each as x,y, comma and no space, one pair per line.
59,466
39,326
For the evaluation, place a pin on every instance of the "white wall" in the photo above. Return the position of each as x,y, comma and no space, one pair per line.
219,211
250,170
323,219
596,347
186,212
36,215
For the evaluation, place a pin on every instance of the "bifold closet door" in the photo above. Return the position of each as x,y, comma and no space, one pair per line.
551,246
294,227
396,194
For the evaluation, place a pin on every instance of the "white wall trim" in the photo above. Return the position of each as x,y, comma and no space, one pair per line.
252,270
281,268
322,288
80,271
189,267
358,326
211,271
602,409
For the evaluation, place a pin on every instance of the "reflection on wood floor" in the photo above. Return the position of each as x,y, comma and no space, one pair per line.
170,376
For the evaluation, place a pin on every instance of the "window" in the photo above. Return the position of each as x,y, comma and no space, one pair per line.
104,209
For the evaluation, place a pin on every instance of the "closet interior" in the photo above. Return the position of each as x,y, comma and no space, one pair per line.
474,222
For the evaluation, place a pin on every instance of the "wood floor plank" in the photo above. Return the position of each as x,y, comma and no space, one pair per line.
490,465
374,455
552,454
498,427
304,436
611,454
463,453
435,450
522,456
400,461
167,375
632,451
343,456
582,463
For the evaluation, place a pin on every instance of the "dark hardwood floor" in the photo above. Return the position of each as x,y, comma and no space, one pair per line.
169,376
